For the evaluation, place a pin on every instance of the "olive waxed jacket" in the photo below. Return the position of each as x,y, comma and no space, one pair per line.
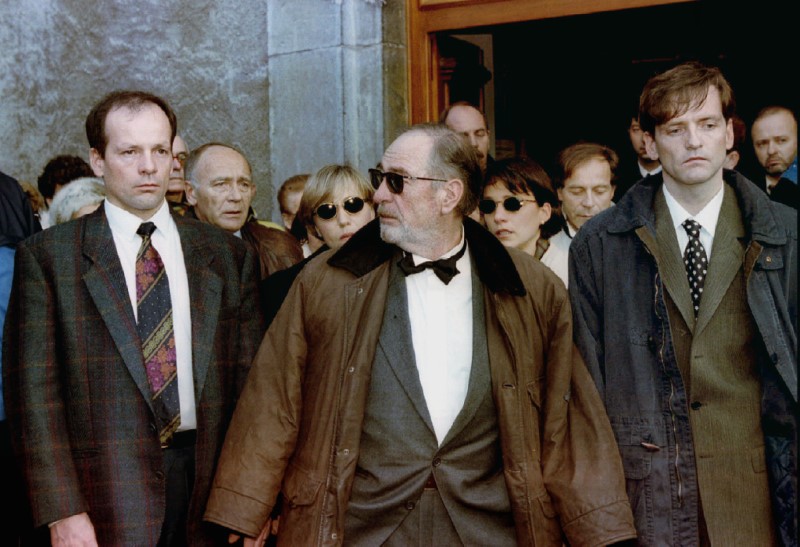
297,427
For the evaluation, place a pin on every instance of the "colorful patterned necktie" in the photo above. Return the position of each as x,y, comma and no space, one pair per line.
696,262
154,323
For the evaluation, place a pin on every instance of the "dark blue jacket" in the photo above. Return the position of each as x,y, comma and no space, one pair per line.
622,330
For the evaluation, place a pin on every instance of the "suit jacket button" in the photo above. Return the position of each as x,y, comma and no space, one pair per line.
696,405
410,505
153,428
160,475
436,462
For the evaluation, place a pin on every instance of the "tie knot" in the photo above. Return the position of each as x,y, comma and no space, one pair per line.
444,268
146,229
692,228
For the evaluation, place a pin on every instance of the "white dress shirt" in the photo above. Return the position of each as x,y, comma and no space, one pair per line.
645,173
167,242
707,218
441,331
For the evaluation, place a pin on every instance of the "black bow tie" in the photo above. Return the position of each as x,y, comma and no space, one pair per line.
444,268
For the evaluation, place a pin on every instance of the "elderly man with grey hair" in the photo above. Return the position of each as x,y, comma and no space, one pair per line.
220,190
420,385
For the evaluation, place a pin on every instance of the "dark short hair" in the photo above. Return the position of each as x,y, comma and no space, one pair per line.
195,155
525,176
452,157
575,155
60,171
674,92
134,100
774,109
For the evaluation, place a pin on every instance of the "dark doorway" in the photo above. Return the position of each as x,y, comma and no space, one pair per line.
557,81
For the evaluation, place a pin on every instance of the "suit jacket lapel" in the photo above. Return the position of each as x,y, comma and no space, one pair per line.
479,377
727,256
396,344
205,295
106,284
671,266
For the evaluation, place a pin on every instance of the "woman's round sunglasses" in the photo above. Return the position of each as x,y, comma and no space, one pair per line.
352,205
511,204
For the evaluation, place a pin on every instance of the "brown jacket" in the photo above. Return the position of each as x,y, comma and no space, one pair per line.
297,427
276,249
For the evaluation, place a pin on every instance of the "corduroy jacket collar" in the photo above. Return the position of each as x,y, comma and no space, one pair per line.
635,209
365,251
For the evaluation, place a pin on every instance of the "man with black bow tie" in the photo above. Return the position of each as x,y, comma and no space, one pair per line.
420,385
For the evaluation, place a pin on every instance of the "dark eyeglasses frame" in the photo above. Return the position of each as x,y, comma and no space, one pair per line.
394,181
327,211
181,157
512,204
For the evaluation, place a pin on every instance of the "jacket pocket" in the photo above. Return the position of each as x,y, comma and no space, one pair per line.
546,528
641,442
300,487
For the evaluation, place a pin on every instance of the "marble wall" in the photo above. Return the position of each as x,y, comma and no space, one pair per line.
295,84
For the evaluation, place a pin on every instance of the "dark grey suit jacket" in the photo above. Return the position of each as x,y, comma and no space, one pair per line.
76,391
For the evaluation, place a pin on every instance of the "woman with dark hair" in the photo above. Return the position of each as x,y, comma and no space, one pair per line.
520,207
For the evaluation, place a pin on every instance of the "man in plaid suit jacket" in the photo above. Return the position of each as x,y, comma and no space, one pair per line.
79,403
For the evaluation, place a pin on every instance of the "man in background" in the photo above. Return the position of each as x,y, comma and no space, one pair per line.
220,191
584,182
177,183
774,134
470,123
644,166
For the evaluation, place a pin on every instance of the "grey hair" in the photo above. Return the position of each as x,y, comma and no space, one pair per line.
193,159
452,157
74,196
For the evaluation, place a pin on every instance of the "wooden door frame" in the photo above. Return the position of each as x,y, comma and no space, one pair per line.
427,17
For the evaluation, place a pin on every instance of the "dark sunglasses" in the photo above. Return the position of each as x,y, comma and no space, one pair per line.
511,204
393,180
327,211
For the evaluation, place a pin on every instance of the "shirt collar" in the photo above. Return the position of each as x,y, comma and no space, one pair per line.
125,224
707,217
645,173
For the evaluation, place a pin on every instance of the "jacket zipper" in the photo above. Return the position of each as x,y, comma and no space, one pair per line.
661,359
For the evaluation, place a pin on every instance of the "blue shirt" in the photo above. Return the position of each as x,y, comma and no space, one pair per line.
6,276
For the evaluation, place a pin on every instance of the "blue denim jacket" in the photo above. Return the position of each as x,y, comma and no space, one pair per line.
622,330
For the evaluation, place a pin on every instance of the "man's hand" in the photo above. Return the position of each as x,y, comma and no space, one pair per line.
257,542
74,531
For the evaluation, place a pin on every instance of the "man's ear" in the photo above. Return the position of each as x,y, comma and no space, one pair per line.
650,145
97,162
452,191
729,134
191,198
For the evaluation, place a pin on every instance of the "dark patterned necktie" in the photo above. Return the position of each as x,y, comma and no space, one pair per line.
444,268
154,323
696,262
